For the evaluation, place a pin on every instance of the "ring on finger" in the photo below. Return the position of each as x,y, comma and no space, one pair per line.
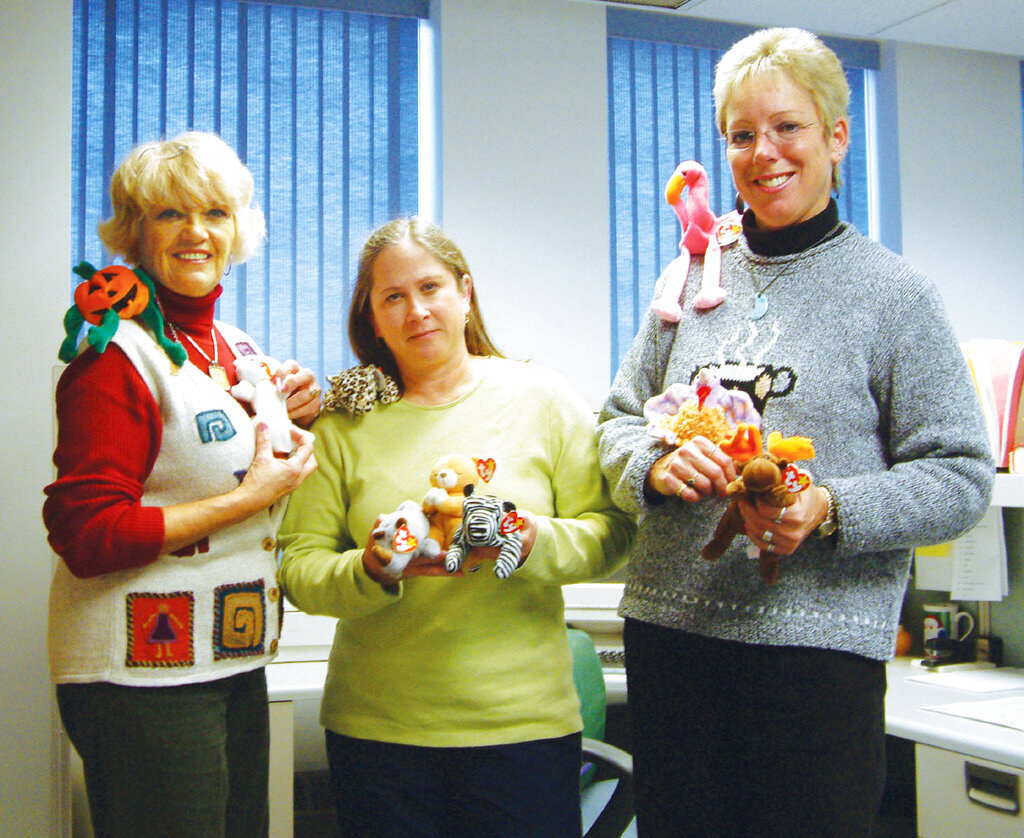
692,481
314,391
781,515
767,537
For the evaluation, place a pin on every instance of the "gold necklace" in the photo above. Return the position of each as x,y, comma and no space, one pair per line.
216,372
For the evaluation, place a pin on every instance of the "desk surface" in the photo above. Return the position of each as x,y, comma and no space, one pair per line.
904,716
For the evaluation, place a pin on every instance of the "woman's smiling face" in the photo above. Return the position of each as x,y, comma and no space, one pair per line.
783,182
187,249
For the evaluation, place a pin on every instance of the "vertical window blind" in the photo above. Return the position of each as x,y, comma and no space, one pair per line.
319,100
660,113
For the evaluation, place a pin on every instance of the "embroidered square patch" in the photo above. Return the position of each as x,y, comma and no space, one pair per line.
160,628
239,621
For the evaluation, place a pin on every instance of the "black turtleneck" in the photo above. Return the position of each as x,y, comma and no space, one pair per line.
795,238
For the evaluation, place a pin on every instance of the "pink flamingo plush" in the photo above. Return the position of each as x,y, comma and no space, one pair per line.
700,236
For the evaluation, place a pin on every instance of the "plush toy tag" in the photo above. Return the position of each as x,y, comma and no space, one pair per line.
511,522
796,479
730,226
485,468
404,541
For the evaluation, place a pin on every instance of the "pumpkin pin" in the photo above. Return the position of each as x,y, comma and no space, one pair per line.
104,299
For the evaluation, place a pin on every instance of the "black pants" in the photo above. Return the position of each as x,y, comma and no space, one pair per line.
732,740
523,790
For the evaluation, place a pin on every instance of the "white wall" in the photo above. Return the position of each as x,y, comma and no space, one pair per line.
35,127
962,182
524,192
525,175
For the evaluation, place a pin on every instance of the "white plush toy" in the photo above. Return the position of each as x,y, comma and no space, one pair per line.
401,536
257,386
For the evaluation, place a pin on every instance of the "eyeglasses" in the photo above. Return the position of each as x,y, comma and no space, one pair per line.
780,135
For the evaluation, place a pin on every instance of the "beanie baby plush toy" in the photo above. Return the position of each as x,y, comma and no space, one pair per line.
401,536
256,385
769,475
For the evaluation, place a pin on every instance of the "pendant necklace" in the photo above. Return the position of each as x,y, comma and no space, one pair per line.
216,372
760,307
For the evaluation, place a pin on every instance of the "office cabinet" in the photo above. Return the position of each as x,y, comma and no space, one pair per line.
959,795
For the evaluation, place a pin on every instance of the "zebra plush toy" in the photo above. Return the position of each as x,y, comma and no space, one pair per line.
487,522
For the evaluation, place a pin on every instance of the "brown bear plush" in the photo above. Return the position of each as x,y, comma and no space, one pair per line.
768,475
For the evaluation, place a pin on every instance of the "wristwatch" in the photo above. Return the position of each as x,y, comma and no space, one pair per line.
831,522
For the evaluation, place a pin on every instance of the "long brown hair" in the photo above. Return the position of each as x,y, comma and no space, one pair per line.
431,238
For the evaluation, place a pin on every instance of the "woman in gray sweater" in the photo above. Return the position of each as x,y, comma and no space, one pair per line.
759,709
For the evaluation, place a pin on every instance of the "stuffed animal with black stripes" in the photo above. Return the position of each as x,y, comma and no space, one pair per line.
487,521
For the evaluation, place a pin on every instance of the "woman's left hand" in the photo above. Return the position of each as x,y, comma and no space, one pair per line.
302,392
783,529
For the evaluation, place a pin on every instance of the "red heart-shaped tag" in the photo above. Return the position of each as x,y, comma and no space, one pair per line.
511,523
485,468
404,541
796,480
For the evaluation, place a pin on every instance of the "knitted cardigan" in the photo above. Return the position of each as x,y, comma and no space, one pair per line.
856,352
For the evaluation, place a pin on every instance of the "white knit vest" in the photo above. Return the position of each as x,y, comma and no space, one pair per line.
205,612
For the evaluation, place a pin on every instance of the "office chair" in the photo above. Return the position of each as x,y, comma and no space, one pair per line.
607,777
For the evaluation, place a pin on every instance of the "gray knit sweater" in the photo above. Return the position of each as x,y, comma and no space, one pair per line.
855,352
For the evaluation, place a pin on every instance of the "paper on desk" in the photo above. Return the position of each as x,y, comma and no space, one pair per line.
972,568
1005,712
974,680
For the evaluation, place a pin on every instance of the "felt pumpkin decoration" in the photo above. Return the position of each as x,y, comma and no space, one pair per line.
115,288
104,299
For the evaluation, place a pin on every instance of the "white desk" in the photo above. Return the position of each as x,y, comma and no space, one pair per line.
905,718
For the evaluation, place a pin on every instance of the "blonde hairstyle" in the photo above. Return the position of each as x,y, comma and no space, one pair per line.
799,54
431,238
192,170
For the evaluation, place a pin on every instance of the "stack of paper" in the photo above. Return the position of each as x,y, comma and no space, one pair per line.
998,370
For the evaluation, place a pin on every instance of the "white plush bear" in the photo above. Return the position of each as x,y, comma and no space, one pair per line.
401,536
256,386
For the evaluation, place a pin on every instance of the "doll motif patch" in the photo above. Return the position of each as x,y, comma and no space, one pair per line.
160,628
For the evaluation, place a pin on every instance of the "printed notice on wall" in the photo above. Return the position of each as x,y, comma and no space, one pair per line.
972,568
979,561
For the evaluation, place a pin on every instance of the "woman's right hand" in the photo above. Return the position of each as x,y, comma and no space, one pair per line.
374,564
696,468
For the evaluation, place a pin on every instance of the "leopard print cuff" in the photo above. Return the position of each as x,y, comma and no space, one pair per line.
357,389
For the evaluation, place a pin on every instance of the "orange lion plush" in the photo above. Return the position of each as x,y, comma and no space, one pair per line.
768,475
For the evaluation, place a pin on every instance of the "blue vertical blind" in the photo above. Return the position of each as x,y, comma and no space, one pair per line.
320,102
660,113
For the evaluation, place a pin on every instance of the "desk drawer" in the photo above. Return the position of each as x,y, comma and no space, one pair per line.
959,795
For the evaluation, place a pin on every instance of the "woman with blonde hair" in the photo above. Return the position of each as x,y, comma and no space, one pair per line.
165,607
758,709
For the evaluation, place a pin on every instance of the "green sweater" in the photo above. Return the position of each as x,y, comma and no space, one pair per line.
459,661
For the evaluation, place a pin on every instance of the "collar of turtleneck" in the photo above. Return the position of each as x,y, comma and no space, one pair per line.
190,314
795,238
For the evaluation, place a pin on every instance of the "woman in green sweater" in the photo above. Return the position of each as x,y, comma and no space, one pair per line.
449,703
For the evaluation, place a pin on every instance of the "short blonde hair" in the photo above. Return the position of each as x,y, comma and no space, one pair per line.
193,169
799,54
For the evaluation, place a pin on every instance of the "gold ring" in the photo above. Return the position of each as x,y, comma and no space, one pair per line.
767,537
314,391
781,515
693,480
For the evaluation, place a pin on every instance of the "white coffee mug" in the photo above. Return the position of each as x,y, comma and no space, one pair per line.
945,616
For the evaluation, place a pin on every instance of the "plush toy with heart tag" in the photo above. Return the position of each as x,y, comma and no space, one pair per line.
769,475
401,536
449,478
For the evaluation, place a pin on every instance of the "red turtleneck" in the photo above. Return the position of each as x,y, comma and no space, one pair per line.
108,438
